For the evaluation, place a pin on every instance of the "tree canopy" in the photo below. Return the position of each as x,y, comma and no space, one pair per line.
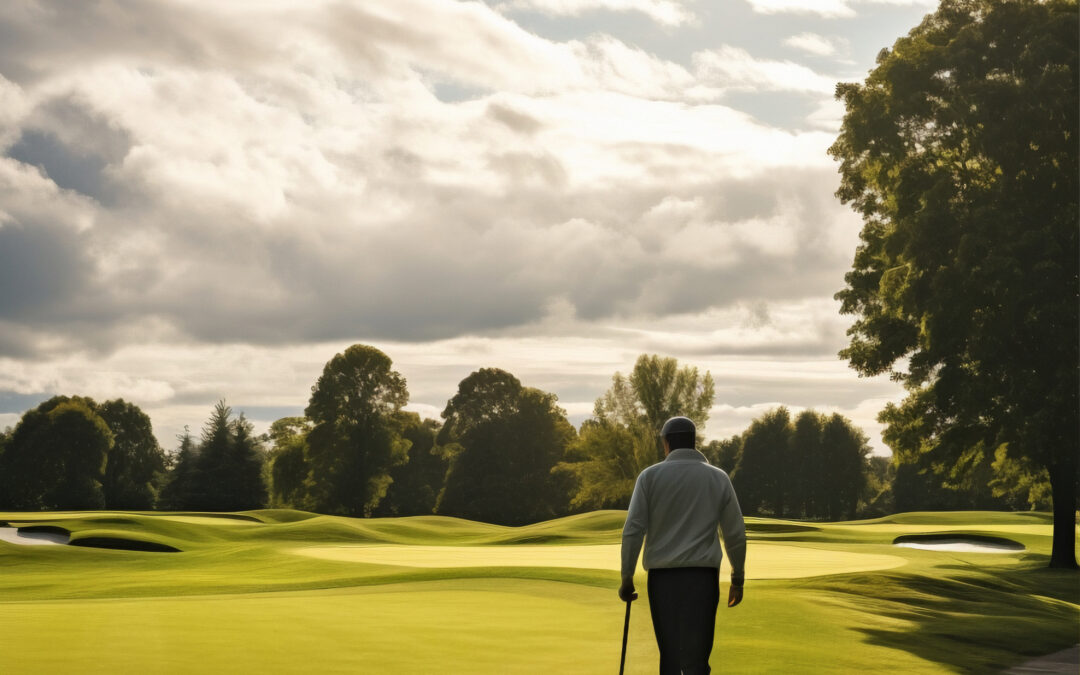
815,466
71,452
355,438
135,462
503,440
960,152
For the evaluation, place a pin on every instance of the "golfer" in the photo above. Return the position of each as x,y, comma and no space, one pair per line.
676,508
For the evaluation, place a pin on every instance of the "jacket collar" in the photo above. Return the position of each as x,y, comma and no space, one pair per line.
683,454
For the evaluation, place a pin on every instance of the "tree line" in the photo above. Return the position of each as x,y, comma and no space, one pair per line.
502,452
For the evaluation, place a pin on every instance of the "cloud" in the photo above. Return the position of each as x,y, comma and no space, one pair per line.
733,68
233,187
812,43
664,12
829,9
826,8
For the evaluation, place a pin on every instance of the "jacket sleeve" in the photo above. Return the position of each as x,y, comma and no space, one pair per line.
734,532
637,523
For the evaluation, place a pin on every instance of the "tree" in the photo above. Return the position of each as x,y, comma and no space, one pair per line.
416,483
879,499
815,466
135,459
846,449
657,390
177,495
809,464
288,462
763,473
623,437
503,441
246,489
211,492
604,462
959,151
724,453
355,440
56,455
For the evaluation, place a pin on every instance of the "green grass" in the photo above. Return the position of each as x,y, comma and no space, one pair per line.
288,591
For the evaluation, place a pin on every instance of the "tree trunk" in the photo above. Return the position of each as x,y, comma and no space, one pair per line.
1063,491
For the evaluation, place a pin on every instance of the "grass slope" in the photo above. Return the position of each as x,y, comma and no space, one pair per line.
245,593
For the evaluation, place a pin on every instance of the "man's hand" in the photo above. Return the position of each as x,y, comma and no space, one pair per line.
734,595
626,591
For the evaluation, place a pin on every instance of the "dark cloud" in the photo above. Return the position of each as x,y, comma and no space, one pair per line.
75,147
44,270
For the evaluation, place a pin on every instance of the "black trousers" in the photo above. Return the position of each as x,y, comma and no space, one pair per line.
683,602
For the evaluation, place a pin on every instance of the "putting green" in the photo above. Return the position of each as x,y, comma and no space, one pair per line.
763,560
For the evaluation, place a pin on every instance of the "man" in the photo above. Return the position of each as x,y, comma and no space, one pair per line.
677,506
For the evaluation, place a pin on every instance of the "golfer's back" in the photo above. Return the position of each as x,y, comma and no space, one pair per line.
678,505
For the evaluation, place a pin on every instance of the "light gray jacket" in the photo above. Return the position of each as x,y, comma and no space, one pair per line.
677,507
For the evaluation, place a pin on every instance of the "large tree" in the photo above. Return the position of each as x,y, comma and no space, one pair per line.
960,153
355,438
56,457
135,460
503,440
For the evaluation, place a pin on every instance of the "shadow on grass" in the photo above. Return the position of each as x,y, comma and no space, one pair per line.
970,618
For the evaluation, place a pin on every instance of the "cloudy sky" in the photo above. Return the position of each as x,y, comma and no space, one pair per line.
209,200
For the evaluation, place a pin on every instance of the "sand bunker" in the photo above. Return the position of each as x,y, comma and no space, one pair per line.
12,535
961,545
764,560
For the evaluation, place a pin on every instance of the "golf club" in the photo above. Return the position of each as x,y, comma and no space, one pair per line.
625,632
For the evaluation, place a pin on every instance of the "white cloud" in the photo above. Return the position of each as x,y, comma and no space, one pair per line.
733,68
812,43
665,12
830,9
825,8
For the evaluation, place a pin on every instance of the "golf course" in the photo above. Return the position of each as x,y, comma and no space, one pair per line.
290,591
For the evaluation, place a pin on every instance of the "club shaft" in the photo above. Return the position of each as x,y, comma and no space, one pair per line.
625,633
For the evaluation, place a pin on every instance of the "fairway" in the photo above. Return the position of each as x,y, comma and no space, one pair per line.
291,592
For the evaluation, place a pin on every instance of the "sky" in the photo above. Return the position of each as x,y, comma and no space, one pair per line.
209,200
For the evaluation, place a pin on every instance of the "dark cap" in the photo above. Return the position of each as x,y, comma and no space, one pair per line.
677,425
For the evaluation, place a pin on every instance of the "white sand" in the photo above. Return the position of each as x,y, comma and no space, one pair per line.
13,536
960,545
